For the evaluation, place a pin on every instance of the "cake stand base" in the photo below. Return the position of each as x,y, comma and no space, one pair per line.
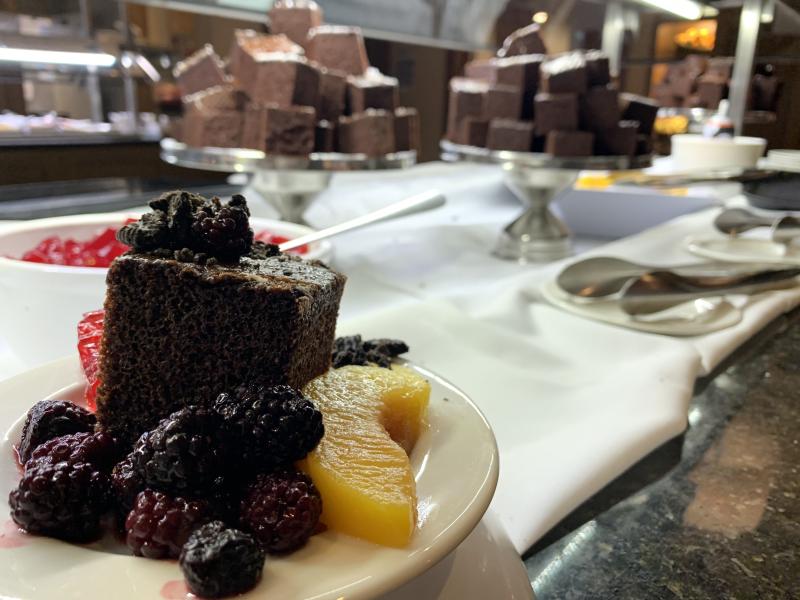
290,192
537,235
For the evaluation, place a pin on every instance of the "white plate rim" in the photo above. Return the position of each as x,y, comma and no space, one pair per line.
49,379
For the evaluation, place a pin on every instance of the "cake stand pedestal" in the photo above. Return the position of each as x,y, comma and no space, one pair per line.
537,235
288,183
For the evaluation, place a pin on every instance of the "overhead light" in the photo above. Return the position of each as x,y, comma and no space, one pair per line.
686,9
55,57
540,17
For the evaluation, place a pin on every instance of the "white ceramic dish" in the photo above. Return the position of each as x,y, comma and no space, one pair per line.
693,152
52,298
456,469
743,249
684,321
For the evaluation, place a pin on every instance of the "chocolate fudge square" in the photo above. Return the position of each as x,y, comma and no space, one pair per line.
406,129
294,19
720,66
711,89
555,112
597,68
372,91
324,137
281,79
599,108
525,40
370,133
247,41
332,94
466,100
473,132
338,47
644,144
280,130
179,333
510,134
618,141
480,68
569,143
565,74
200,71
521,72
213,117
641,109
502,102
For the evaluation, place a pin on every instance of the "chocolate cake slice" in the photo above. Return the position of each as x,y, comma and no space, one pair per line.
187,316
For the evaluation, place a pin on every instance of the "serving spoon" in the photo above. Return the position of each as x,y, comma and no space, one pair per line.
413,204
603,277
734,221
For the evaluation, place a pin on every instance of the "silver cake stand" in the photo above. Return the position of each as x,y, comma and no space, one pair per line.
288,183
537,235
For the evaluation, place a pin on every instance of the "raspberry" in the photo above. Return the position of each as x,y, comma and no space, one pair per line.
225,232
63,500
126,483
159,525
267,427
351,350
51,418
281,510
90,335
181,455
218,561
99,449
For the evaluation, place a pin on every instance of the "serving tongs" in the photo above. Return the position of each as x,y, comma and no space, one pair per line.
645,289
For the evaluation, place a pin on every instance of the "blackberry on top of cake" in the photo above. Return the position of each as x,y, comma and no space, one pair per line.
565,105
305,87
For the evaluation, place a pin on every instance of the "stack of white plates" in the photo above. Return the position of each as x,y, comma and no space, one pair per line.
782,160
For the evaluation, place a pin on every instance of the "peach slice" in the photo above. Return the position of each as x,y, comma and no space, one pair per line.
373,417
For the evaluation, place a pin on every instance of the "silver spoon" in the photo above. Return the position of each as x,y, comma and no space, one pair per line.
660,290
603,277
734,221
409,206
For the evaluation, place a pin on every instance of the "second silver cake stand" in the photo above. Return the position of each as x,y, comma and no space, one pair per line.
288,183
537,235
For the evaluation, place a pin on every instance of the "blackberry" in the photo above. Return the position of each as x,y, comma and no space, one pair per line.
225,232
64,500
281,510
218,561
126,483
181,455
51,418
100,449
267,427
158,525
352,350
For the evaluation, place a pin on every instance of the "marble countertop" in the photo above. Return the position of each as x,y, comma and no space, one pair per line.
714,513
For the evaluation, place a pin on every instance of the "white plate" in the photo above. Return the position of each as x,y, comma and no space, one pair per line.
743,249
685,320
456,468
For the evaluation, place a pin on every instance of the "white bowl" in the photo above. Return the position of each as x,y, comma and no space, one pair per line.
692,152
50,299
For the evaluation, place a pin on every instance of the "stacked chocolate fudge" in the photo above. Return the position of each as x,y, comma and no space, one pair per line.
700,82
564,105
305,87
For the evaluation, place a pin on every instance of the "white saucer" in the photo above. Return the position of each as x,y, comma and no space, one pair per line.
743,249
456,468
682,321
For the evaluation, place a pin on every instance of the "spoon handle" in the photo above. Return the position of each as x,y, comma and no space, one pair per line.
409,206
659,291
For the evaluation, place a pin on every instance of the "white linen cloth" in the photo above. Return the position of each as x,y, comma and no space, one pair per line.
573,402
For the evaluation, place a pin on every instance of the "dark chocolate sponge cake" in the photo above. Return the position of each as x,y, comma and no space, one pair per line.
183,325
